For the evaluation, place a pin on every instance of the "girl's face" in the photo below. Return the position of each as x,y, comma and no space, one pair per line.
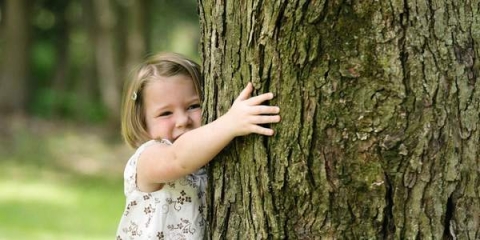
172,107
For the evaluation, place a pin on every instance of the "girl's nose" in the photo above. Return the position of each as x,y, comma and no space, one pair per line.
183,120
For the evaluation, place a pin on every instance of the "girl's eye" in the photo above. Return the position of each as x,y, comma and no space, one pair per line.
194,106
164,114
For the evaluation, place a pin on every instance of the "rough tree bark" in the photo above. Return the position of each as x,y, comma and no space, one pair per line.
380,107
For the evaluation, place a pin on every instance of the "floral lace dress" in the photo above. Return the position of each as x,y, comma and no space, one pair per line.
174,212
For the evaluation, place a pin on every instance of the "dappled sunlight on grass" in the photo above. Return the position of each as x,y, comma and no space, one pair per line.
62,209
35,191
60,183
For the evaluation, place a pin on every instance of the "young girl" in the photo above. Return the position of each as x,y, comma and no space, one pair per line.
164,179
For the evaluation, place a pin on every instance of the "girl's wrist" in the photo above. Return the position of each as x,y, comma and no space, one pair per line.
227,126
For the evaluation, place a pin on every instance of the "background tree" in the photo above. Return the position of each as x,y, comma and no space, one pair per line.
106,56
379,131
14,66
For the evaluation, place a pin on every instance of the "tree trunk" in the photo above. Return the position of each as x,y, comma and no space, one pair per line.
379,131
106,57
61,81
15,57
136,34
88,88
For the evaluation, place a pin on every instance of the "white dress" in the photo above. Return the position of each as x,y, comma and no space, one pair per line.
174,212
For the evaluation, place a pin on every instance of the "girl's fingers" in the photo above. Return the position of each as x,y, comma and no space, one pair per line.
256,114
262,109
263,131
260,98
246,92
266,119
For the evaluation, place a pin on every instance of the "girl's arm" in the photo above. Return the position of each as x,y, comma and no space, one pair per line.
162,163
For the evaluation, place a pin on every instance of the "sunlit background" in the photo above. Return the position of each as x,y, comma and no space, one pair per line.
63,64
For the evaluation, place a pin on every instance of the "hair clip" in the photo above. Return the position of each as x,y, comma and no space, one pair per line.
134,96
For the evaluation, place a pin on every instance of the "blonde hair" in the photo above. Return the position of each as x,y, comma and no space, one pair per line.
134,129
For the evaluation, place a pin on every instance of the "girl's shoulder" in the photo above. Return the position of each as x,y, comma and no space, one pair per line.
130,172
133,159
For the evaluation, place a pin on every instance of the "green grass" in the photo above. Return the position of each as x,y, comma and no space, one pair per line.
48,209
41,197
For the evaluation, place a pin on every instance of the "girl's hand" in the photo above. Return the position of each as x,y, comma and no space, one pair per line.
246,114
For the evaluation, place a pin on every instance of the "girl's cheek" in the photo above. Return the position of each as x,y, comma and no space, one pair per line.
165,128
198,118
166,123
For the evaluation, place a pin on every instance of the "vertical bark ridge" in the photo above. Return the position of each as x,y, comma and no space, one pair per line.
379,118
442,109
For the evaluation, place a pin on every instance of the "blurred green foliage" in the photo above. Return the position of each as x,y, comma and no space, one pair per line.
63,80
66,105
